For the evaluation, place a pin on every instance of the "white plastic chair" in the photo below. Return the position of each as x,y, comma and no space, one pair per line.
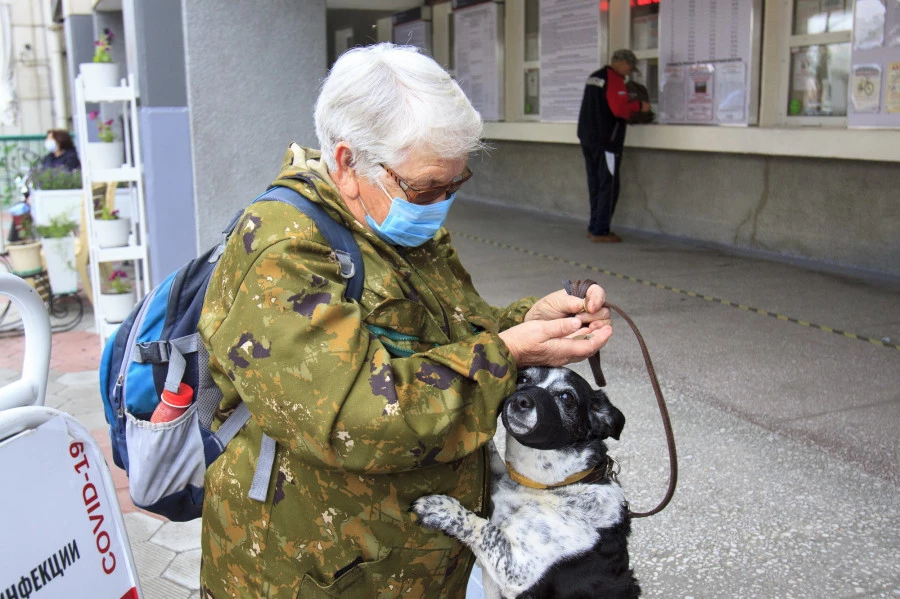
59,501
32,387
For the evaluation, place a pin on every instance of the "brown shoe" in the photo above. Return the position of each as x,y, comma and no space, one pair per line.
608,238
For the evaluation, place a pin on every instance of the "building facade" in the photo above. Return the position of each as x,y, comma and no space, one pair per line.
223,93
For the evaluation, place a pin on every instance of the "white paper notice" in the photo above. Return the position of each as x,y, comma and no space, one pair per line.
701,82
730,90
710,33
892,89
478,60
570,50
868,27
800,70
865,88
672,94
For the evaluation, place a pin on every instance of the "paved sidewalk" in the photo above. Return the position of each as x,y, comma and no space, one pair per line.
167,554
789,455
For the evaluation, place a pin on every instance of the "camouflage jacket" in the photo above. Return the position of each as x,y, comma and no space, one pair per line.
361,430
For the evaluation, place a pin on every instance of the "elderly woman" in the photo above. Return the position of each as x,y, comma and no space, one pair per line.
371,403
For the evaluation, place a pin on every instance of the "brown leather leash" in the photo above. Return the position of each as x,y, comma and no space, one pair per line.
578,288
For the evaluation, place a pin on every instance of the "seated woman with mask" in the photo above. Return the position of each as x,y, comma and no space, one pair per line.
61,151
375,403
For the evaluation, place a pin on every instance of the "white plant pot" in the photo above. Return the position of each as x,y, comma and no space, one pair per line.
25,258
98,75
115,307
59,252
112,233
125,202
105,154
45,205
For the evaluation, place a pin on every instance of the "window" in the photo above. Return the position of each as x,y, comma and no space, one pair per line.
566,64
644,42
649,78
532,64
819,68
644,25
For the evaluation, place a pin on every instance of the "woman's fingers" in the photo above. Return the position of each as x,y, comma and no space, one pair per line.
554,342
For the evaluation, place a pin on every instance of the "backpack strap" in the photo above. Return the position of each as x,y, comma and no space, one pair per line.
336,234
347,251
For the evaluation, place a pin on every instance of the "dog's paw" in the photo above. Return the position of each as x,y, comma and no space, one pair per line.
438,512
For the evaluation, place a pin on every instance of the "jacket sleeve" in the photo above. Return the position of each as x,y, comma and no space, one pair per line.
617,98
323,387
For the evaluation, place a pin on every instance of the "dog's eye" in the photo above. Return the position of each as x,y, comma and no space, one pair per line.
521,379
567,398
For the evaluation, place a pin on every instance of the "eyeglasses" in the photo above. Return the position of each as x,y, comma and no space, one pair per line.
424,196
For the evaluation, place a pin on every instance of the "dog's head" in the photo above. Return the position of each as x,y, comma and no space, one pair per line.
554,410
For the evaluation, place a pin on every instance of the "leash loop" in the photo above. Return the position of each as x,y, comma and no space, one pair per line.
578,288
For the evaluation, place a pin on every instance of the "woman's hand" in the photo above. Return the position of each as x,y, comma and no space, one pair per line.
560,304
555,342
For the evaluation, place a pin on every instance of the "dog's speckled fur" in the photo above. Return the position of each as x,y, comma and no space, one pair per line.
563,542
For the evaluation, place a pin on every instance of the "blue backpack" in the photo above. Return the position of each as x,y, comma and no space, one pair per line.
158,347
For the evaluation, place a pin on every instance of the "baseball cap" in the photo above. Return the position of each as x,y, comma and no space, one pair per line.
627,56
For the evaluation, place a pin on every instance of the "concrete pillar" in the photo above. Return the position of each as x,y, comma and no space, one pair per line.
158,52
79,34
253,72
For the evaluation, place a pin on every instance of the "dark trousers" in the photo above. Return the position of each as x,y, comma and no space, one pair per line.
603,187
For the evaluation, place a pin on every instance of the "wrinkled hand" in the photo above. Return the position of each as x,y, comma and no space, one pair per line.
555,342
560,304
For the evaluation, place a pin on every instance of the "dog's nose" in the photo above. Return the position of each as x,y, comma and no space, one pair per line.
531,417
524,403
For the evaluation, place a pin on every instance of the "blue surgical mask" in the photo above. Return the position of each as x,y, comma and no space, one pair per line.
50,145
409,224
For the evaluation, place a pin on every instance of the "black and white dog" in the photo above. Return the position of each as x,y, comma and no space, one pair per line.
559,523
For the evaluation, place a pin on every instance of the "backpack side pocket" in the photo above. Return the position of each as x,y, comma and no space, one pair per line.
166,463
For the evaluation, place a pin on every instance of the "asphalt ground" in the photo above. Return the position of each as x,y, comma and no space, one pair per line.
786,425
781,381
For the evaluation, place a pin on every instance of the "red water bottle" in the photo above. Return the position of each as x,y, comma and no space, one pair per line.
173,405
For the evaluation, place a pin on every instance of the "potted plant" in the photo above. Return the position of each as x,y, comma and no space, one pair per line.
110,230
57,192
102,72
24,250
59,252
108,152
118,299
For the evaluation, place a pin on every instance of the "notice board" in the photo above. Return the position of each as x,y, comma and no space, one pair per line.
874,85
478,56
413,28
709,66
569,53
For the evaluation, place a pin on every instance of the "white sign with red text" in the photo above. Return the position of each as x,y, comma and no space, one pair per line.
60,534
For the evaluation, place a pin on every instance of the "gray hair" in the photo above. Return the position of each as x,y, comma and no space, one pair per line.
388,102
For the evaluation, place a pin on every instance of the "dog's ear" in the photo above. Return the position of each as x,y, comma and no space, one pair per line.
606,419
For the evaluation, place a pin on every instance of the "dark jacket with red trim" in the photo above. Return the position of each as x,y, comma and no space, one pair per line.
605,110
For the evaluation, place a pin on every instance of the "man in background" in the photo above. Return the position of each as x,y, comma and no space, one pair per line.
605,111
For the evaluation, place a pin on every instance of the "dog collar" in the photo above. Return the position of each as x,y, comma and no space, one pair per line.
524,480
